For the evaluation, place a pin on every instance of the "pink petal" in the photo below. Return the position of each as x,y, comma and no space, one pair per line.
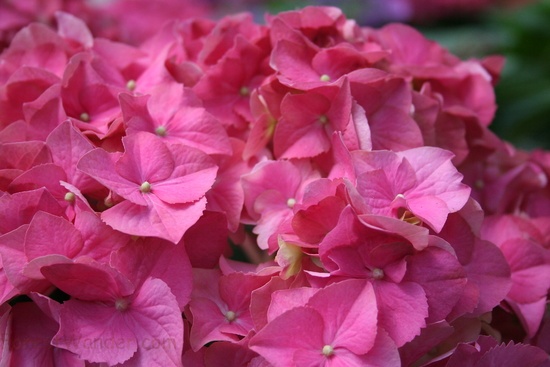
146,158
194,174
156,322
168,221
48,234
100,165
350,314
159,259
300,328
400,302
95,332
74,29
88,282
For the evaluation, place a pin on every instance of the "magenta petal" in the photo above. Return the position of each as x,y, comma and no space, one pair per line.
400,302
31,336
208,319
155,320
88,282
95,332
443,284
488,270
159,259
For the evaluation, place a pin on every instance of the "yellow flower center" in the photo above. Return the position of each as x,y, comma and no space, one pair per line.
84,117
145,187
328,350
131,85
69,197
160,131
230,316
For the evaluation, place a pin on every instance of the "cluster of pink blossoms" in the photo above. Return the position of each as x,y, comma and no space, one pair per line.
382,221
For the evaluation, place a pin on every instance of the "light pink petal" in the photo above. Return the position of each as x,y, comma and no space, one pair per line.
350,314
100,165
383,353
45,175
74,29
19,208
530,270
301,328
68,145
287,299
33,269
195,127
146,158
436,175
7,290
14,261
430,209
168,221
530,314
194,174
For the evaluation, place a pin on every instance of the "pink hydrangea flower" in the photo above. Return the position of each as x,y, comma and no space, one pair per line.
106,308
420,182
163,185
337,326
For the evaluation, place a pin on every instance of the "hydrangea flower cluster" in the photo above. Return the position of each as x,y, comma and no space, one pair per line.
306,192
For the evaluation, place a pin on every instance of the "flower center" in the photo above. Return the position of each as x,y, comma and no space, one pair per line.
145,187
160,131
84,117
131,85
69,197
108,202
230,316
377,273
121,304
407,216
291,202
323,119
325,78
244,91
328,350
